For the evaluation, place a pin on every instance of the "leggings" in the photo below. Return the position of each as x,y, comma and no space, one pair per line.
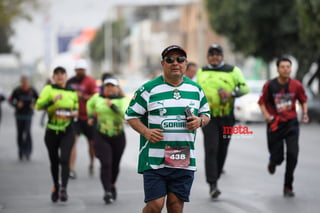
109,151
56,140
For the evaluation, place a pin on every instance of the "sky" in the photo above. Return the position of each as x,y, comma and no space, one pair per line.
33,38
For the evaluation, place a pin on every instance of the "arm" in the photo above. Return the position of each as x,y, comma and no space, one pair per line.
2,98
241,88
152,135
112,106
13,99
269,118
204,120
195,122
75,111
305,117
119,106
90,106
35,97
302,97
44,100
241,85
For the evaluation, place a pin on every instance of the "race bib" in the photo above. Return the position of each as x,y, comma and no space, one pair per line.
283,103
63,113
177,156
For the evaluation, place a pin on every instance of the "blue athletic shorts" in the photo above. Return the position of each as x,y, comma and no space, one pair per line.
159,182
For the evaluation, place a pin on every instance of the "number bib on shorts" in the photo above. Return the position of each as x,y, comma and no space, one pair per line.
177,156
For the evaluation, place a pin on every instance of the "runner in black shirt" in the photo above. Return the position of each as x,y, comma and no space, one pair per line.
22,99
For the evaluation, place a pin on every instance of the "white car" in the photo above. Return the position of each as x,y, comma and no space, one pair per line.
246,108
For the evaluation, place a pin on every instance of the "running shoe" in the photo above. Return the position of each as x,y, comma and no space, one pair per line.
271,168
288,192
72,174
63,195
108,198
214,191
91,170
20,157
114,192
55,194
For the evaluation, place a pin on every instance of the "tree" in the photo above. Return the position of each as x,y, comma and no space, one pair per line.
309,22
97,45
268,29
11,11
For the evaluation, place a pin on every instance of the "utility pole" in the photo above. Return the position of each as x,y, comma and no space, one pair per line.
201,56
47,42
108,61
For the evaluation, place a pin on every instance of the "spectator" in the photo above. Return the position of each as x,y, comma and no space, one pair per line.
43,116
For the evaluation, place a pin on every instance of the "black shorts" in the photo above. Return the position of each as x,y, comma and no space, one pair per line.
82,127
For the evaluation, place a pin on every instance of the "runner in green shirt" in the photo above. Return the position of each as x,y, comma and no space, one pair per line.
222,83
61,104
106,112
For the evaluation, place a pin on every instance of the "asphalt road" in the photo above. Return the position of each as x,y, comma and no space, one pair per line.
246,185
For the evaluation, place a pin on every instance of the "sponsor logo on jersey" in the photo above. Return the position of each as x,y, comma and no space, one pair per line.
172,124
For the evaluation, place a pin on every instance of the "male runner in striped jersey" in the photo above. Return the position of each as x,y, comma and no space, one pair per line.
157,112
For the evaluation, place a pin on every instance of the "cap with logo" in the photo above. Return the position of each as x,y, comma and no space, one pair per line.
215,48
171,48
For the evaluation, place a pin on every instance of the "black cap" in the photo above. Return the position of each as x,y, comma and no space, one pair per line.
59,70
215,47
172,48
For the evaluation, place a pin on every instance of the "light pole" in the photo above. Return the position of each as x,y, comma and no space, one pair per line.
200,33
108,61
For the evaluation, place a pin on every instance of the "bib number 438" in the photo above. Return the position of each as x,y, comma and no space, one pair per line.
177,156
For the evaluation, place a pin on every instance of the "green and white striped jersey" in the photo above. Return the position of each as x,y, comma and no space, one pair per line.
160,105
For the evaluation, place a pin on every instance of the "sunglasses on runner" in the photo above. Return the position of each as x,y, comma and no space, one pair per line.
179,59
215,53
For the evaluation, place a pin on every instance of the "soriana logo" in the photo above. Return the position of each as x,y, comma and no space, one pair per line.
237,131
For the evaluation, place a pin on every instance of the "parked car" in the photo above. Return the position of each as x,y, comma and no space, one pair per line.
246,108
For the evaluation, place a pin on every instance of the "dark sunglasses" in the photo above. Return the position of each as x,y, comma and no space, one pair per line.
214,53
179,59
